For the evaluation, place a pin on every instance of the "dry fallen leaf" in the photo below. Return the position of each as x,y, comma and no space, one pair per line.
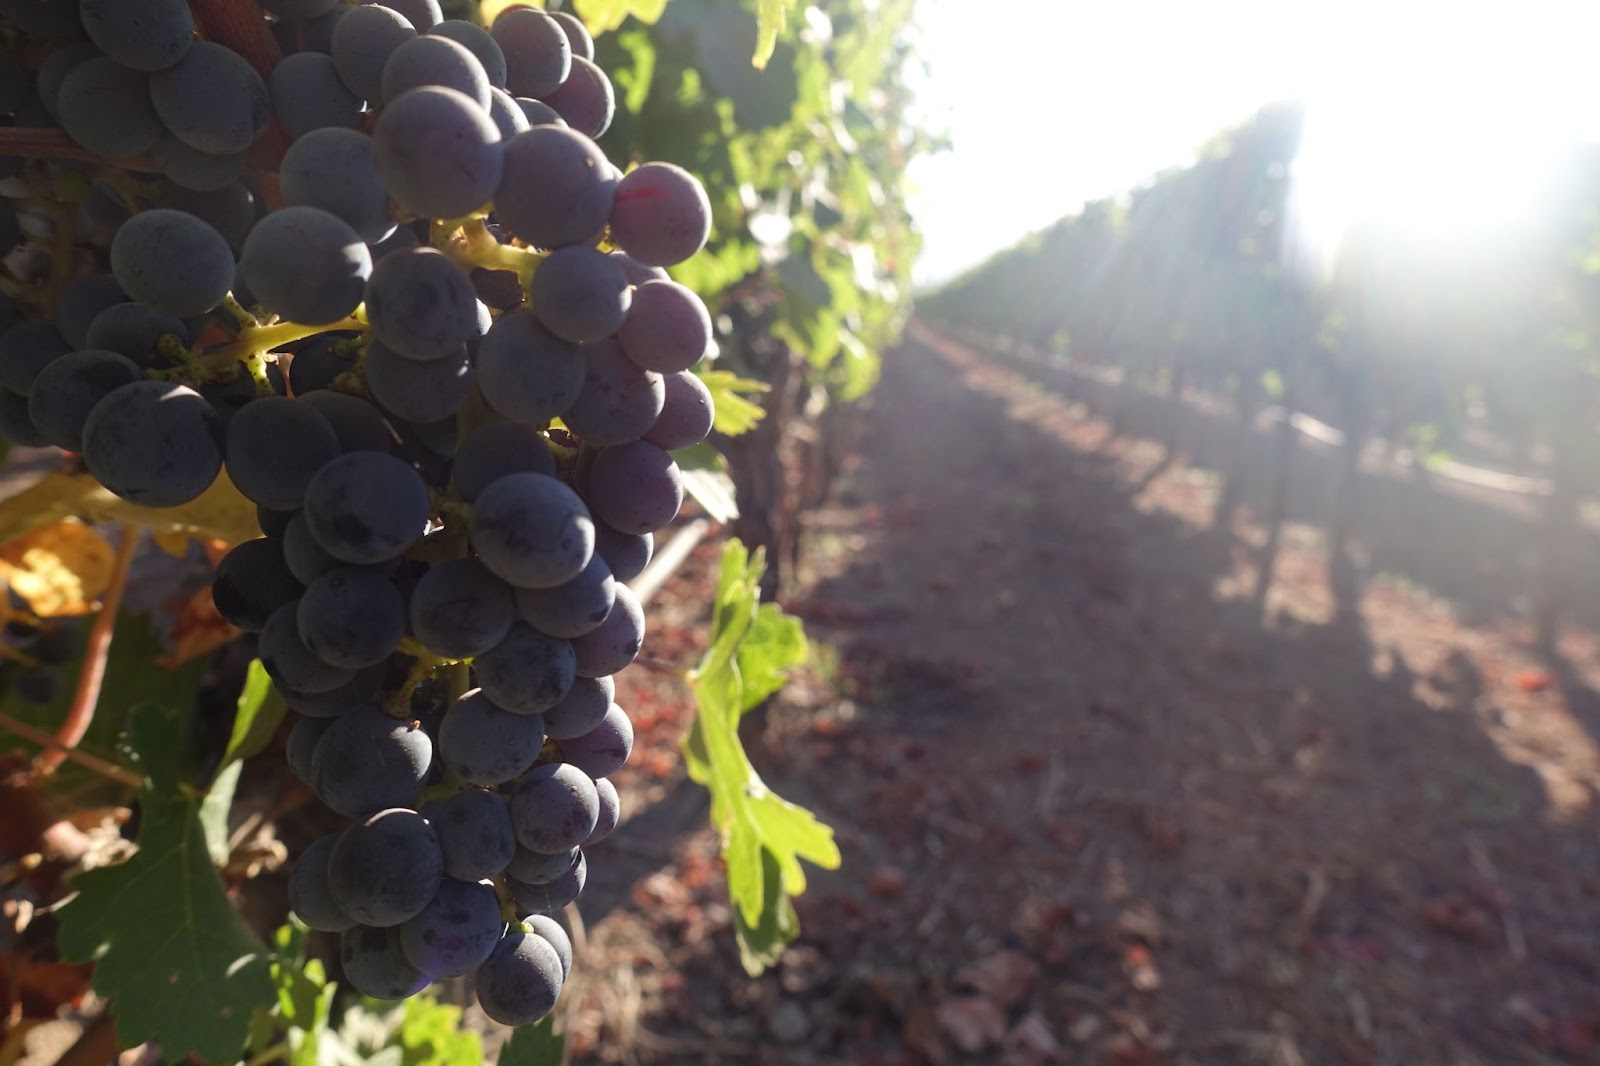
1008,977
197,630
972,1022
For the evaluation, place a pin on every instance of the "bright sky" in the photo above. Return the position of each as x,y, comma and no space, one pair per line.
1050,103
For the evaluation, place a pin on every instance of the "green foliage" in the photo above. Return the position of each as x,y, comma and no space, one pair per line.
706,478
804,163
258,714
169,948
771,16
764,837
733,413
421,1031
533,1045
132,678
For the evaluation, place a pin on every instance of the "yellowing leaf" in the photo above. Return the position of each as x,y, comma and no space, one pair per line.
489,10
221,511
731,413
602,16
174,542
60,569
770,16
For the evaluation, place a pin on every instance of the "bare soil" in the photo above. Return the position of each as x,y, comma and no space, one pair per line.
1098,804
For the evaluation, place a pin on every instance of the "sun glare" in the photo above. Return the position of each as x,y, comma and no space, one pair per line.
1440,125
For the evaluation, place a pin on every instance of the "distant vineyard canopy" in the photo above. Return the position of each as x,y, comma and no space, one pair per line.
1200,277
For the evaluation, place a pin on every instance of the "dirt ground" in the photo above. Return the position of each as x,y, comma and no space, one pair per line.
1096,806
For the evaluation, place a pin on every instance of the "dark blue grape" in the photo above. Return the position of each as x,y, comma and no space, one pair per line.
550,897
105,107
526,672
68,388
537,868
474,830
581,709
616,642
496,449
627,554
153,443
148,35
25,350
421,305
375,965
586,101
309,897
212,99
418,391
660,215
486,745
438,151
667,329
358,425
532,530
352,617
603,750
521,980
557,186
289,662
275,447
476,39
308,94
301,746
526,372
252,581
456,931
307,265
385,869
361,44
337,170
610,811
571,609
367,507
619,402
460,610
551,930
438,62
554,808
634,487
173,262
687,413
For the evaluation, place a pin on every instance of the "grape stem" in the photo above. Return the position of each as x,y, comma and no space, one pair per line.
120,774
471,244
258,340
93,672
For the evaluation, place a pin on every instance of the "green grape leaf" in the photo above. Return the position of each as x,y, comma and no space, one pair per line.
732,414
259,711
171,952
431,1034
764,837
771,15
706,478
603,16
534,1045
132,678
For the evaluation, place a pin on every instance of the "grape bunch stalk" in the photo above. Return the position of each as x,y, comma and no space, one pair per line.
448,368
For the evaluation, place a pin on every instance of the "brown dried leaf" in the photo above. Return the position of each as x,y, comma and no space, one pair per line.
972,1022
197,630
1008,978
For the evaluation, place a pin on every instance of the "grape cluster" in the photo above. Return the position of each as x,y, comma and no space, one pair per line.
449,371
